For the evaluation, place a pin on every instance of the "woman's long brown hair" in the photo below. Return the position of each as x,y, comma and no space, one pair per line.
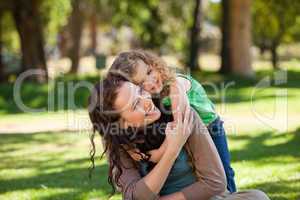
105,121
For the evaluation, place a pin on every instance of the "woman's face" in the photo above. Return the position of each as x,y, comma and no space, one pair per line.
135,106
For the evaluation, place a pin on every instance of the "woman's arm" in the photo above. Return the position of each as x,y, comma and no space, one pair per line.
174,196
208,167
148,187
209,170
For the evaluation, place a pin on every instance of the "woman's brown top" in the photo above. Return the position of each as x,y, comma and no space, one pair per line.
209,171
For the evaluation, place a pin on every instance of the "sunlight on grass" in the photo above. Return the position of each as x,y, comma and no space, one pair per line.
55,165
47,166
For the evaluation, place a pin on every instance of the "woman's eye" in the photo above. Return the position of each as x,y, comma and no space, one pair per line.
141,90
149,72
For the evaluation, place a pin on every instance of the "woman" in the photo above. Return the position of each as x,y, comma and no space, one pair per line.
113,109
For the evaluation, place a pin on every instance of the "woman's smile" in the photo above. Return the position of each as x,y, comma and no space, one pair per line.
152,111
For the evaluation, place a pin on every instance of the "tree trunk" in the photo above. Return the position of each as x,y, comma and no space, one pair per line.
274,55
195,36
63,41
76,26
1,61
225,50
236,40
27,19
93,31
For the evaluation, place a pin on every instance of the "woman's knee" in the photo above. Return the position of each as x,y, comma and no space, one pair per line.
255,195
243,195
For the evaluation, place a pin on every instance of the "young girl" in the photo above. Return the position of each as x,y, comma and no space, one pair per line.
176,90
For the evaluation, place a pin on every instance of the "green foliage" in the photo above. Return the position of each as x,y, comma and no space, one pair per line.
161,25
10,36
143,17
54,16
214,13
295,30
273,21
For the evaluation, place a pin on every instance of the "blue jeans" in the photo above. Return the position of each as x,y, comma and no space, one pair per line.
218,135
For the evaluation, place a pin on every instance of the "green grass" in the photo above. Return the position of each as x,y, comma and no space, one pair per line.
55,166
63,93
49,166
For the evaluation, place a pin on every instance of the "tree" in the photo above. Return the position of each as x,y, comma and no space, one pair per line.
99,14
28,24
145,18
93,31
195,34
236,37
272,21
3,7
1,62
76,27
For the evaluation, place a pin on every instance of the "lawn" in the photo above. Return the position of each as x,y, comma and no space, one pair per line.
54,165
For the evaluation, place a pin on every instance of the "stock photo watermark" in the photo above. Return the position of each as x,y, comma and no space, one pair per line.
61,95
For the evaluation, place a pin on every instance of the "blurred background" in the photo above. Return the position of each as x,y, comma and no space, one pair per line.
245,53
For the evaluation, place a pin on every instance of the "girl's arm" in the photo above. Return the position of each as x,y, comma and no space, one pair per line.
179,103
156,154
178,96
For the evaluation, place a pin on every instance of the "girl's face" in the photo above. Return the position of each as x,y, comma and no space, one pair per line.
148,78
135,106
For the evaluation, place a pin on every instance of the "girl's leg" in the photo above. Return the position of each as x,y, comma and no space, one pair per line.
218,135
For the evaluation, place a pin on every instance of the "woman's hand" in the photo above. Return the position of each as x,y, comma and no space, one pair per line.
178,132
179,99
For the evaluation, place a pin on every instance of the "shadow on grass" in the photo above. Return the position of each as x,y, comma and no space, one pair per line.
58,172
33,138
280,190
260,153
76,180
255,148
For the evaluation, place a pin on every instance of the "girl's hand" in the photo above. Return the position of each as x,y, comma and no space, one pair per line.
136,155
178,132
155,155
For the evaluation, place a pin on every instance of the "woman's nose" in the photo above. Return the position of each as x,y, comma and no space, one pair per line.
146,94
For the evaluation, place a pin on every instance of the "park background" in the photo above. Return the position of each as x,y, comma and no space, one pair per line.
253,47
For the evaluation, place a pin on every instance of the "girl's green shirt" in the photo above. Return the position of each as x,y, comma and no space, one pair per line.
198,99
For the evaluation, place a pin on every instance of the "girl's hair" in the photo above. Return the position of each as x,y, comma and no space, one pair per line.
105,121
126,62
